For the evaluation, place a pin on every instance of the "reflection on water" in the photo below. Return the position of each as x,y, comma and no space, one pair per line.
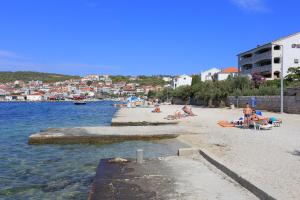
57,171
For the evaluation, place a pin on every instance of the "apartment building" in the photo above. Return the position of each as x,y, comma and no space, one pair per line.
268,58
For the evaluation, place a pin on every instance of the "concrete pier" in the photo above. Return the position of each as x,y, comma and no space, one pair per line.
104,134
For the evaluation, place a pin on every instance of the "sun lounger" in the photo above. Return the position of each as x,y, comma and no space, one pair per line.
258,126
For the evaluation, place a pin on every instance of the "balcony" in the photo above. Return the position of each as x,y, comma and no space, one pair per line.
263,56
244,61
262,69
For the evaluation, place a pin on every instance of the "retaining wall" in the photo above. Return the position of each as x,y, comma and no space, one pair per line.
291,104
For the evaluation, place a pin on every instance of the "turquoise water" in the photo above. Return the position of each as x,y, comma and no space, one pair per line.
57,171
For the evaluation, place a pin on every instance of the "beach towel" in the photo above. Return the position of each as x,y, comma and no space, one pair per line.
225,124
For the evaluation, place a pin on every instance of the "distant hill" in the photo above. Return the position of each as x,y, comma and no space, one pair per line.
28,76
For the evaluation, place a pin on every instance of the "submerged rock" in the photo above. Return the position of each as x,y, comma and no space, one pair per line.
117,160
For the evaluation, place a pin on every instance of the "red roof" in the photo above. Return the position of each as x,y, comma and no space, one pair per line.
230,70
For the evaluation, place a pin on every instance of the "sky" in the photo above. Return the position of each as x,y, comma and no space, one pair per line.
134,37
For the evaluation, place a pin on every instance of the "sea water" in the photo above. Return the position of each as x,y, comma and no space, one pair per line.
58,171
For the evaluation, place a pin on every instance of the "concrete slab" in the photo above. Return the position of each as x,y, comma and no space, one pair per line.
164,178
105,134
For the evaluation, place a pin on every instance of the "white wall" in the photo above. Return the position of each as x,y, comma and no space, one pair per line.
289,53
34,98
206,75
182,81
224,76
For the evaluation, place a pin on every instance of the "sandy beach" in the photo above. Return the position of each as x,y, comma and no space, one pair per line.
267,158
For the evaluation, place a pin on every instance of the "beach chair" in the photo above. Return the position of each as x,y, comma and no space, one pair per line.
275,122
258,126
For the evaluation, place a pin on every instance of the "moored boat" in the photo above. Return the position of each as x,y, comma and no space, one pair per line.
79,102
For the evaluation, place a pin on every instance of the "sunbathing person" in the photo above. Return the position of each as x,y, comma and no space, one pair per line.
188,110
177,115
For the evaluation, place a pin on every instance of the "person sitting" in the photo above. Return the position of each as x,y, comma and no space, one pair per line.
156,109
187,110
256,119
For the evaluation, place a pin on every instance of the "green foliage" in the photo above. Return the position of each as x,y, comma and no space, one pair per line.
28,76
196,79
151,94
119,78
150,80
142,80
165,95
89,83
183,92
293,74
215,93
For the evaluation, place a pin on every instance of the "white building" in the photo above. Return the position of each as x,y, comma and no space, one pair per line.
182,81
90,77
267,59
209,74
225,73
167,78
35,97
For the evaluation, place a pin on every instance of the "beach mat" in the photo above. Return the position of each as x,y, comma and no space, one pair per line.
225,124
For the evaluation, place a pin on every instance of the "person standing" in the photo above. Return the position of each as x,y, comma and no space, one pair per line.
247,114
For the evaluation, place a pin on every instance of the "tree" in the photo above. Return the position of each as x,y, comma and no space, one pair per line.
151,94
257,80
196,79
183,92
89,83
293,74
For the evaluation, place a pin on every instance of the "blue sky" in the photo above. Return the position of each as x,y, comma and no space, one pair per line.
137,36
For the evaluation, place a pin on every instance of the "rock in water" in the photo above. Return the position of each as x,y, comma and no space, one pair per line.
118,160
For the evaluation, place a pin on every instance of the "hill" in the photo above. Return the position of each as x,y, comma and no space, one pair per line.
28,76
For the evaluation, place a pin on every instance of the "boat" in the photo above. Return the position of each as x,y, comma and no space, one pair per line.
79,102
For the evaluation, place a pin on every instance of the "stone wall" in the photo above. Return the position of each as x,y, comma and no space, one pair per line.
291,104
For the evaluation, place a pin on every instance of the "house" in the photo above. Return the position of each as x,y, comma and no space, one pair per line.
90,77
167,78
34,97
209,74
267,59
182,80
225,73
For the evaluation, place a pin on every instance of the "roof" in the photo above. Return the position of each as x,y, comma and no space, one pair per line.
211,69
230,70
272,42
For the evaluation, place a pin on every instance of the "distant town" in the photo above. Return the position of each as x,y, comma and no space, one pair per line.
95,86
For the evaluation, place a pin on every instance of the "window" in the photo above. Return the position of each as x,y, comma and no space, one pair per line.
277,47
276,74
277,60
296,61
296,46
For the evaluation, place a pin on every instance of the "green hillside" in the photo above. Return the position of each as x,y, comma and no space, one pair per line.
28,76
